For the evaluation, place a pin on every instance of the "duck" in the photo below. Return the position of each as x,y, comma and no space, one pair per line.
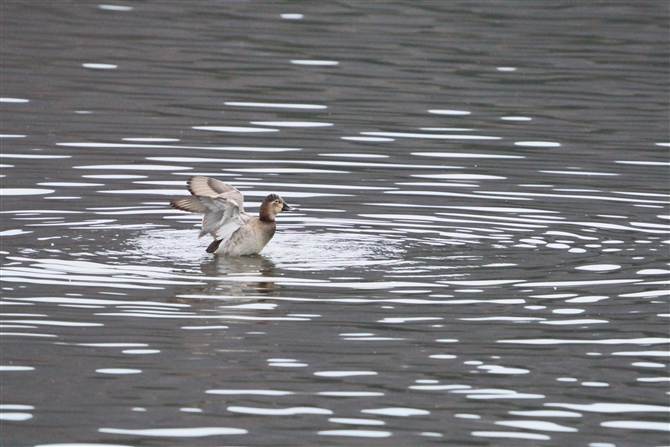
235,232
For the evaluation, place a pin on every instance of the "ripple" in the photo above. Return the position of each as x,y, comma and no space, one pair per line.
637,425
465,155
289,364
33,156
300,124
568,311
12,368
24,191
149,139
141,351
450,112
467,416
196,432
396,320
463,177
645,163
397,411
648,341
537,144
557,284
14,100
570,322
251,392
13,232
447,129
430,136
115,8
354,155
25,334
279,411
315,62
653,272
135,167
580,173
234,129
494,393
350,393
344,373
537,425
113,345
368,139
356,433
276,105
55,323
172,146
496,369
547,413
70,184
16,407
15,416
510,434
354,421
516,118
648,364
611,407
511,319
100,66
439,387
644,353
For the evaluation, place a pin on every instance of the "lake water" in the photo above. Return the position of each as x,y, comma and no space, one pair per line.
480,251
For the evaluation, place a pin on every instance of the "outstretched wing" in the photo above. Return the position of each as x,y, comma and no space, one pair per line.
221,206
220,216
210,187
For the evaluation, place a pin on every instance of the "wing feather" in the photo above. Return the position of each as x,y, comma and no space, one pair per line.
190,204
211,187
221,205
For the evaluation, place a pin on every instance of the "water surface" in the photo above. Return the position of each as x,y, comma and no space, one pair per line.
480,251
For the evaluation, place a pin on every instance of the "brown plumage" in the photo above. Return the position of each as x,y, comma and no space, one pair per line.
235,232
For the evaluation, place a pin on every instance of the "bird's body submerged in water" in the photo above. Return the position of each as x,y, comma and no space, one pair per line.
235,232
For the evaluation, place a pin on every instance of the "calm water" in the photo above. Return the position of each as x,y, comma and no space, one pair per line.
480,255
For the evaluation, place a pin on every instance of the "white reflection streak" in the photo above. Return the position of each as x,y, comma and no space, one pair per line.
612,407
371,300
432,136
276,105
614,341
177,432
578,283
279,411
537,425
637,425
251,392
173,146
569,196
499,196
62,270
206,317
469,218
234,129
288,162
